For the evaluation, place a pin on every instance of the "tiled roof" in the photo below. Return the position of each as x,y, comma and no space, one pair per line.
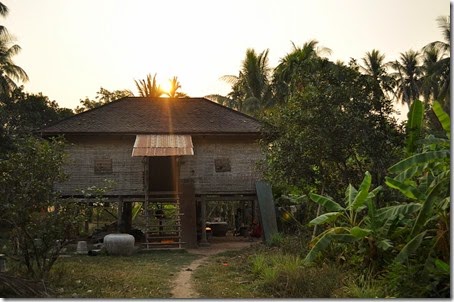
135,115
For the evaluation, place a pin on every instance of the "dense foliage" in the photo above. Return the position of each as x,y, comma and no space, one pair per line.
103,96
407,242
330,125
40,223
327,134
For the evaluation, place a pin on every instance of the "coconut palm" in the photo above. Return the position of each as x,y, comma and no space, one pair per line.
407,76
3,10
251,90
149,87
431,80
437,66
376,68
173,90
299,61
9,72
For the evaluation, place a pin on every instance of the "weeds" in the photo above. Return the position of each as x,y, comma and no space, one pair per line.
283,275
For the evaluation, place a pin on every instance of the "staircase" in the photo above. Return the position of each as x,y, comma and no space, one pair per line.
163,218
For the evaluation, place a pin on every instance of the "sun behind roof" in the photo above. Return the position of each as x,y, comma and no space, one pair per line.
166,88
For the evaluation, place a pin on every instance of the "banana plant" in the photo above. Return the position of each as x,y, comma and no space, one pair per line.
424,177
357,221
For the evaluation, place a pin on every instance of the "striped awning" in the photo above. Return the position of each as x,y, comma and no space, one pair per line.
162,145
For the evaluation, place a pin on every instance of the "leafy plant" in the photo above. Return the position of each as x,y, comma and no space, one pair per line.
359,225
424,177
40,223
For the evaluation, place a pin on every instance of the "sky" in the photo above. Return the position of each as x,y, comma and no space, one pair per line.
72,48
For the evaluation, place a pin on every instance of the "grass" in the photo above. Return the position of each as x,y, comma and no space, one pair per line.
227,275
145,275
266,272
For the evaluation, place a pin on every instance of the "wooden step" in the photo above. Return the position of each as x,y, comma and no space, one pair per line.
159,244
164,237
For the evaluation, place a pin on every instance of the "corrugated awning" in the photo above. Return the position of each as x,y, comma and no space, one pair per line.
162,145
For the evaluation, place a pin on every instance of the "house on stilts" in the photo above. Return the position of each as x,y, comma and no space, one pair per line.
170,155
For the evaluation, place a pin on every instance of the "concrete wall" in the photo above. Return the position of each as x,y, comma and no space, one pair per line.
218,165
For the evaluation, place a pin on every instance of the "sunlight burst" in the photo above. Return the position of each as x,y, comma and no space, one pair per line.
166,87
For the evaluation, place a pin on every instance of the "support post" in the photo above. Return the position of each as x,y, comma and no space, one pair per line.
203,213
119,214
146,188
126,217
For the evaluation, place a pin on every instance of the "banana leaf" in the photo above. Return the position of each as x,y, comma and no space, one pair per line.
327,202
387,218
363,192
384,244
443,117
427,206
392,212
419,159
325,218
350,194
135,209
410,248
414,124
360,232
409,173
431,140
321,242
409,191
442,266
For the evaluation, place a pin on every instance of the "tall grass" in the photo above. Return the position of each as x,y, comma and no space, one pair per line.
283,275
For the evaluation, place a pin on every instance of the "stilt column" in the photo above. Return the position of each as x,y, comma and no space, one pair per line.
203,214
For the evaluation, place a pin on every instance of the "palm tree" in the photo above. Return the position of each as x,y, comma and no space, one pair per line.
299,61
407,76
9,72
431,80
376,68
148,87
437,66
251,89
173,90
3,10
374,64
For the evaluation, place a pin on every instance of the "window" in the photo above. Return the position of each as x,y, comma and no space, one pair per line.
222,165
103,166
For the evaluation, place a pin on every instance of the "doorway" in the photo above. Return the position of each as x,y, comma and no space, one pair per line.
164,174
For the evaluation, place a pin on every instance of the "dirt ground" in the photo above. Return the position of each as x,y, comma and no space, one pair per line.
183,286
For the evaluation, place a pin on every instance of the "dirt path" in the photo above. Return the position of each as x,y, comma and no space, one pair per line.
183,286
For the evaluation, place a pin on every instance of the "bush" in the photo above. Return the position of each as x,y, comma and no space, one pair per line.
41,223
